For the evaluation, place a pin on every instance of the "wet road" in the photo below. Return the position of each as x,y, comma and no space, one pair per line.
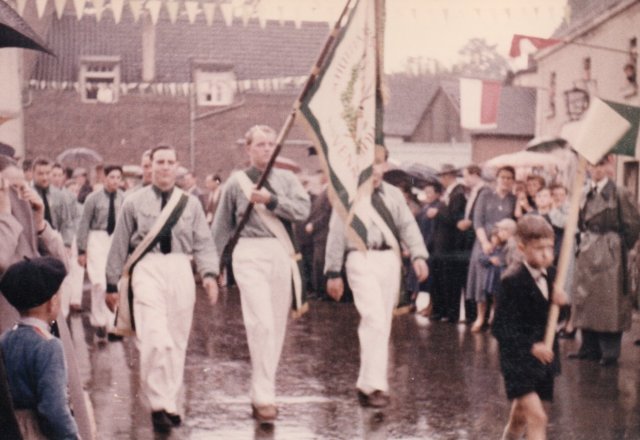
445,381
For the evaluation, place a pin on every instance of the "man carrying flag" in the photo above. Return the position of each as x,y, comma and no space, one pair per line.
370,218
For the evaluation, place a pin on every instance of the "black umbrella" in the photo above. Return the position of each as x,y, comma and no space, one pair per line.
15,32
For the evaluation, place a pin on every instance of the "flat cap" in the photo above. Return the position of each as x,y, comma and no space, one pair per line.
30,283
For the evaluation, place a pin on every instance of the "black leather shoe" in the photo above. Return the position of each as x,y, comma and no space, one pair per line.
608,362
161,421
376,399
176,420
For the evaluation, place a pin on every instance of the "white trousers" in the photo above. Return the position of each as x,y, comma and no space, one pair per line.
72,285
374,277
164,295
98,244
263,272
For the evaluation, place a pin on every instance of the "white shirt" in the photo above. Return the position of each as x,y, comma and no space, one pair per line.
540,277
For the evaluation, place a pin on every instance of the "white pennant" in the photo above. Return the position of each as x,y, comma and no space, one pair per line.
154,10
99,6
209,12
20,6
79,7
136,9
172,9
116,7
192,10
59,4
185,89
246,14
172,89
227,13
41,6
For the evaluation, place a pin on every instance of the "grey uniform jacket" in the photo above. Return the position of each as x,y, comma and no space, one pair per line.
338,246
291,202
94,215
61,216
190,235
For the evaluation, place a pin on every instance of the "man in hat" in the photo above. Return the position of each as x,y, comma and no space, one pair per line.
98,222
374,276
448,248
609,227
162,281
33,357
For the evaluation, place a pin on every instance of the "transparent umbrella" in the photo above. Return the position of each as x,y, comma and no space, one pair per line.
79,157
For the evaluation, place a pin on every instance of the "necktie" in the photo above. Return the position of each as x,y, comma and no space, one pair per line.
111,216
165,236
47,209
542,285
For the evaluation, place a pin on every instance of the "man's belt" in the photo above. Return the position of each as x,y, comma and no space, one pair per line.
380,247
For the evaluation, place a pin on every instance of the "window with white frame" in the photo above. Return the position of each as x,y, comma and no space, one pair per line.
215,83
100,79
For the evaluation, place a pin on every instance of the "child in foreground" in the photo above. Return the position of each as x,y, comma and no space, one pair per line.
33,357
528,366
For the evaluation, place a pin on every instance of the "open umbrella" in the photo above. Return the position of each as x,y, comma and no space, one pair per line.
15,32
79,157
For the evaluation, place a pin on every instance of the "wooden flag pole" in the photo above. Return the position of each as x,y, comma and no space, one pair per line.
284,131
571,226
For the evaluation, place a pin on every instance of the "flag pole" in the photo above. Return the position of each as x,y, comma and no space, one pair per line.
284,131
568,239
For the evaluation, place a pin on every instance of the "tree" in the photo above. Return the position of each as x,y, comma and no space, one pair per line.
480,59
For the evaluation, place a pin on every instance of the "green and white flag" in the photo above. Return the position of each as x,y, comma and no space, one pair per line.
344,114
606,127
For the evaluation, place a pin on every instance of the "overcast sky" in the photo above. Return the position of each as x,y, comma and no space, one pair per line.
439,28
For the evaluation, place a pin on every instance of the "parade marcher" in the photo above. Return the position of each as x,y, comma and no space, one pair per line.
145,164
34,358
374,276
98,222
263,259
71,291
491,207
56,207
162,284
609,227
528,366
317,227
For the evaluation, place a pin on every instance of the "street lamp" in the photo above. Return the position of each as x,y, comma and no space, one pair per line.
576,101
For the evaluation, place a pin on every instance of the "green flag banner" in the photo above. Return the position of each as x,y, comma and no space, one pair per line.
627,145
343,113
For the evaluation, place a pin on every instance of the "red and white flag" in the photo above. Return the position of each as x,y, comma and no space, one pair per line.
479,101
537,42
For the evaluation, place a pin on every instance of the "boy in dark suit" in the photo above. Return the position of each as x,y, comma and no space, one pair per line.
527,365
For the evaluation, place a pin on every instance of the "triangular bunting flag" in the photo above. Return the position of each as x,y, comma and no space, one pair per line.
185,89
99,5
41,5
136,9
20,6
192,10
78,5
59,4
587,136
209,10
154,10
246,14
116,7
227,13
172,89
172,9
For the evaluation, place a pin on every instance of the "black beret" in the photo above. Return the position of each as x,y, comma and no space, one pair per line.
30,283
